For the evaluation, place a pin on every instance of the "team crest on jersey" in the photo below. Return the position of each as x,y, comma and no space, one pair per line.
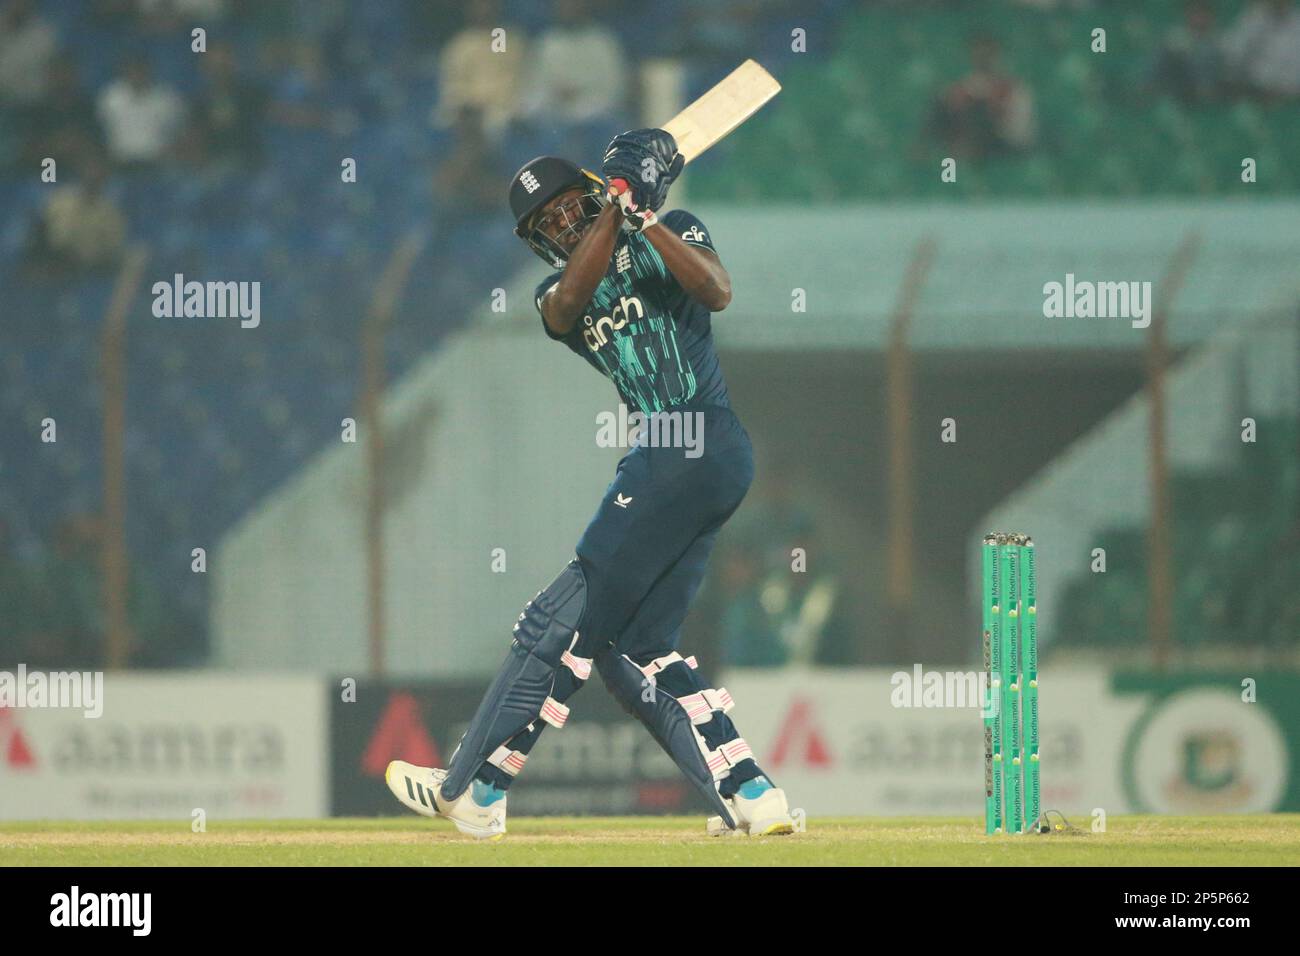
597,331
623,260
695,234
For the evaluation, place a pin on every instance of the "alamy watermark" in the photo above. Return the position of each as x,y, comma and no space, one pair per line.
83,690
75,908
1083,299
942,689
208,300
668,429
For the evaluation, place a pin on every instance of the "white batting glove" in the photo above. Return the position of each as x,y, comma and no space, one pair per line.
634,218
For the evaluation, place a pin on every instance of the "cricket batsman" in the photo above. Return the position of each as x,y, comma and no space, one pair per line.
632,294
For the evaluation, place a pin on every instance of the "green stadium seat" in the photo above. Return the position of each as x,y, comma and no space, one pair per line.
868,102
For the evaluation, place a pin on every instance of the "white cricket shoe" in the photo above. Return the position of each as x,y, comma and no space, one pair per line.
479,812
760,809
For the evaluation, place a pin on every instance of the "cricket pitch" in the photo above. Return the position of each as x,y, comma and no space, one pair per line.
1261,840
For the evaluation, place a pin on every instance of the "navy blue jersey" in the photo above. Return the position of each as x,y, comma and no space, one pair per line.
642,330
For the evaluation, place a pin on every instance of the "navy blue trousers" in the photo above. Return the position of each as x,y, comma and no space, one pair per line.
645,552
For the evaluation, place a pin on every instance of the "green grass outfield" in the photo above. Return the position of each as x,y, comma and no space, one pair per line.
1272,840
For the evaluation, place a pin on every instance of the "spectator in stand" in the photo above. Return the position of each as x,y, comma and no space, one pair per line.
577,81
750,638
775,613
988,112
717,35
67,599
64,123
1263,48
141,117
80,229
1191,66
464,184
471,74
228,112
27,48
301,98
170,16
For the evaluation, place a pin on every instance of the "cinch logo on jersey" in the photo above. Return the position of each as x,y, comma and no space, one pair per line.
695,234
597,331
103,909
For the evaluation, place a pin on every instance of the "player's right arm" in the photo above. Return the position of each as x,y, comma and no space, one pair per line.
563,303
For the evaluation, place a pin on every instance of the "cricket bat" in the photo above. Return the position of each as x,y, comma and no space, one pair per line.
739,95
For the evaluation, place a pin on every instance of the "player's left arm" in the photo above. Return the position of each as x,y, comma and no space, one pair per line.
697,270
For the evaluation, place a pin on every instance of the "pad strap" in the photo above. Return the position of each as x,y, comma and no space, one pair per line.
661,663
554,713
721,761
511,761
701,706
581,666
